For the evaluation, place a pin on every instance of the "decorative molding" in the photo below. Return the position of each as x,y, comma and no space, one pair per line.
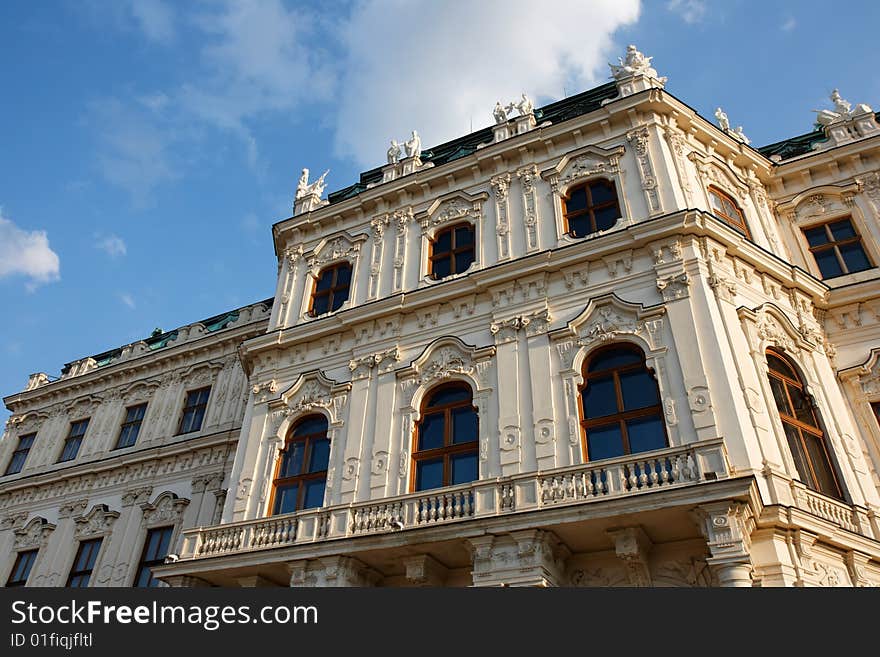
33,535
631,545
451,208
166,508
528,178
384,361
98,522
500,188
333,248
673,287
640,141
311,392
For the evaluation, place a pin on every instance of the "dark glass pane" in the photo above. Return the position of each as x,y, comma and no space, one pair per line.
816,236
606,218
463,261
464,425
144,577
464,235
292,459
285,499
613,358
441,268
164,542
602,192
778,388
646,433
464,468
431,431
600,398
639,390
325,281
776,364
320,456
577,200
320,305
792,435
717,201
443,242
203,395
448,395
339,298
803,411
429,474
16,463
854,257
604,442
79,428
310,426
79,581
579,226
25,442
842,230
71,447
343,275
826,482
154,538
828,264
732,211
197,417
314,495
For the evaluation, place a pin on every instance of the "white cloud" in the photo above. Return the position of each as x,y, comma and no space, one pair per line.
127,300
691,11
155,18
112,245
789,24
437,66
26,253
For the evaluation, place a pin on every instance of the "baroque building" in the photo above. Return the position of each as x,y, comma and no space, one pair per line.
602,342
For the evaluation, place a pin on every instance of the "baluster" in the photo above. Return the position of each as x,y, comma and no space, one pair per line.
643,477
676,468
691,467
632,480
664,473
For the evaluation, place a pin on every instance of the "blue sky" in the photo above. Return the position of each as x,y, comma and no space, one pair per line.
149,146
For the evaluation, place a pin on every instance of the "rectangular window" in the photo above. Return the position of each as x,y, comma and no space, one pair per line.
194,410
155,550
837,248
134,415
22,568
86,556
74,440
16,463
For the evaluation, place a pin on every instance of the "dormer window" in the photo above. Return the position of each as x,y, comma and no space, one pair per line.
726,209
331,289
452,251
591,207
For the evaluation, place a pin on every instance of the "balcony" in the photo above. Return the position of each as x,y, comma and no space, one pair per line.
589,483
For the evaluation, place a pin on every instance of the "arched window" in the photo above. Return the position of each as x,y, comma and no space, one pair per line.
726,209
621,404
301,472
331,289
800,420
447,439
452,250
591,207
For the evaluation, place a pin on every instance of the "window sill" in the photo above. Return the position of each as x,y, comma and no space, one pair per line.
851,279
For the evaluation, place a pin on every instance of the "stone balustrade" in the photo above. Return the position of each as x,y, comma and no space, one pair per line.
826,508
578,484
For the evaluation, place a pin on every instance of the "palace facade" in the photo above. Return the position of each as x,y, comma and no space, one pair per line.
603,342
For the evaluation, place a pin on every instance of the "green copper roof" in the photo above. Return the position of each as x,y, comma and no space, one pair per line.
562,110
794,146
158,340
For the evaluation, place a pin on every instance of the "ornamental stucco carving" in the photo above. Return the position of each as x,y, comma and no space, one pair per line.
166,508
582,164
311,392
445,358
340,246
98,522
451,209
609,318
33,535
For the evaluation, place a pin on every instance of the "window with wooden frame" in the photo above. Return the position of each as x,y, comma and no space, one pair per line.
301,472
84,563
726,209
837,248
19,456
446,449
21,570
452,250
331,289
800,421
591,207
131,427
74,440
155,550
194,410
620,404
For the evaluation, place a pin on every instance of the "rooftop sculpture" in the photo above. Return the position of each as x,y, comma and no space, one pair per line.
724,124
842,111
316,188
635,63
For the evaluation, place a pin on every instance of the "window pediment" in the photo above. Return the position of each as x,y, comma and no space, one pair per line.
97,522
452,208
340,246
818,203
767,325
580,165
446,358
719,173
311,392
33,535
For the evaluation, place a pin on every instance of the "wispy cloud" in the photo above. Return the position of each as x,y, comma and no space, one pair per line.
691,11
155,17
789,24
27,253
112,245
127,300
436,72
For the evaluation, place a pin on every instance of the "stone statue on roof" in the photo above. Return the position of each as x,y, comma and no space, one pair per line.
316,188
394,152
722,119
524,106
635,63
413,145
842,110
499,113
